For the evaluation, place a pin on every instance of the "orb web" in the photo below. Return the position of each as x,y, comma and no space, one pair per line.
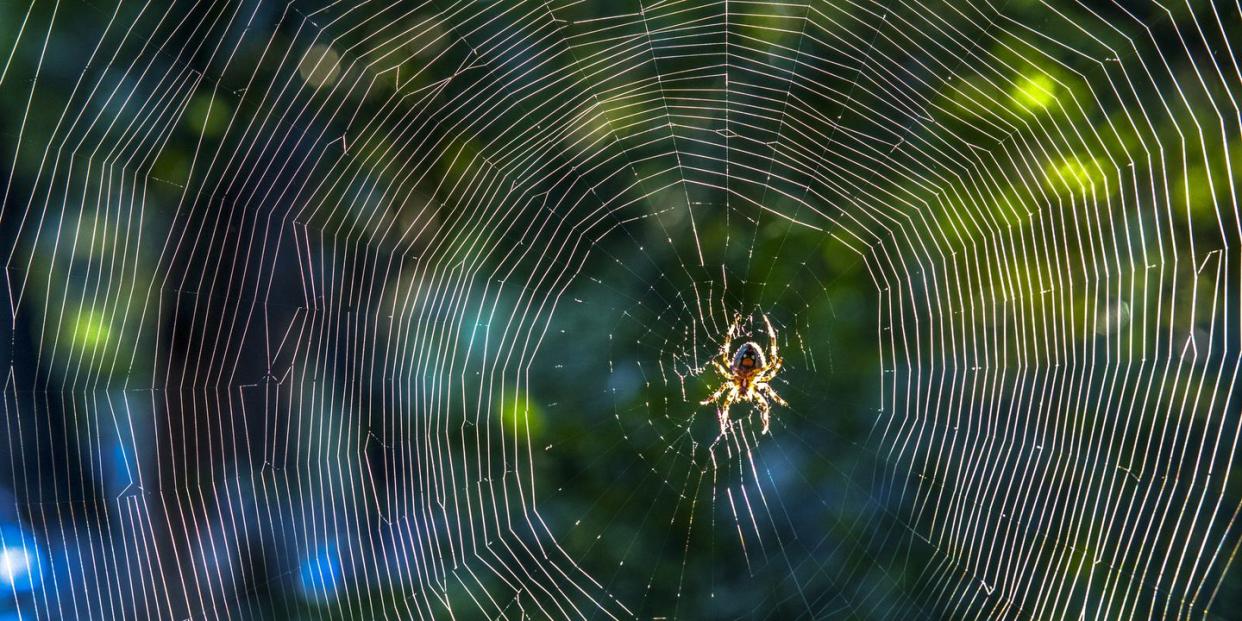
407,309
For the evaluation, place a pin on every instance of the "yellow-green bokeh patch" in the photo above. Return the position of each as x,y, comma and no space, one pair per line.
520,415
207,115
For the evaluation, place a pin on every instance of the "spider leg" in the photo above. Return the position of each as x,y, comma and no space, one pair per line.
768,373
721,368
726,351
774,367
715,395
767,390
765,413
722,413
772,353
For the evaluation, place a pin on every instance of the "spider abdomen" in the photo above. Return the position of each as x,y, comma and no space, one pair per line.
748,359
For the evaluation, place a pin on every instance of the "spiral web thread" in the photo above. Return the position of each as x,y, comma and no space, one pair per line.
317,337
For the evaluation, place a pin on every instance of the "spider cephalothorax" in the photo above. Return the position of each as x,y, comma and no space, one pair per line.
746,374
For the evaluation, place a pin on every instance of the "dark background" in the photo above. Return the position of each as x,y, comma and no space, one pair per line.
418,326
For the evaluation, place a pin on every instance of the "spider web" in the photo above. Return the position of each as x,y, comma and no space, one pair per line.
406,309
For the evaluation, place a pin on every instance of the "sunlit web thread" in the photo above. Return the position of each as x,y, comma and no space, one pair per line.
1022,189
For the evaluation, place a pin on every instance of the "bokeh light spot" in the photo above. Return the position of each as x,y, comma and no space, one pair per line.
1035,92
91,329
320,66
320,573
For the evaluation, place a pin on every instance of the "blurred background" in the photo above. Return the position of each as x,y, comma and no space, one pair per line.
327,310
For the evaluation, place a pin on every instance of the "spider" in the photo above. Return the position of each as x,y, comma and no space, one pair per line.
746,375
